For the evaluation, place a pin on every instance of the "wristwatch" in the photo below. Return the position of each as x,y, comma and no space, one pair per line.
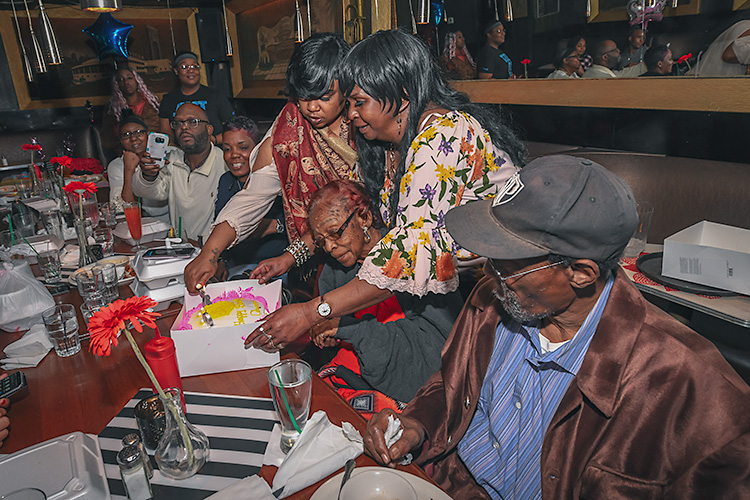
324,308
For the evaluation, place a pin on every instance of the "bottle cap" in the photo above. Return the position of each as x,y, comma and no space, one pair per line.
131,439
129,457
159,347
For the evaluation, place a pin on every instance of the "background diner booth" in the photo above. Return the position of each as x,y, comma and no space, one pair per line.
679,141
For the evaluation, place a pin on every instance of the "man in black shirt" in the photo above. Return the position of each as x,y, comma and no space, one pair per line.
493,62
215,104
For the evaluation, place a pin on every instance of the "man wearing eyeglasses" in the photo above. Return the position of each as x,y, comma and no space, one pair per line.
559,380
189,179
607,60
217,105
120,171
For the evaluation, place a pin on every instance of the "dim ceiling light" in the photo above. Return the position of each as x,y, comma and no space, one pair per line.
101,5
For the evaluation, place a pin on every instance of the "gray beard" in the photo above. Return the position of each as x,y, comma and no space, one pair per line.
509,302
199,144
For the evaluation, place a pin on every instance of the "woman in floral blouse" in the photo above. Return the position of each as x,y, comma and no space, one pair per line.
423,149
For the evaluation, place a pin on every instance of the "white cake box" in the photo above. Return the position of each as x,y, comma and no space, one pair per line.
710,254
221,348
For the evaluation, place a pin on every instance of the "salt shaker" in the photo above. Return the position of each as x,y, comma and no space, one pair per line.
133,474
134,439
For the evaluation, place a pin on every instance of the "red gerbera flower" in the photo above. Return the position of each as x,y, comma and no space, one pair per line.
526,61
76,186
684,58
106,323
63,161
35,147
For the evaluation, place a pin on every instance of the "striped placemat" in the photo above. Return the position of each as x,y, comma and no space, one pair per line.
238,429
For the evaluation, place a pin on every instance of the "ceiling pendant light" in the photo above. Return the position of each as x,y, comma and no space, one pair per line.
49,40
423,12
100,6
508,11
230,51
26,63
40,65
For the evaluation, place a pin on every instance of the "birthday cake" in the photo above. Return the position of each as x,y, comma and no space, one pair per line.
231,308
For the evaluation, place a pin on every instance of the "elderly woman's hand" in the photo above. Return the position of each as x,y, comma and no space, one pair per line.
283,326
324,334
268,269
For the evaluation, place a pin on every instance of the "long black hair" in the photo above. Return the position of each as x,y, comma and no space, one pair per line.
314,66
392,67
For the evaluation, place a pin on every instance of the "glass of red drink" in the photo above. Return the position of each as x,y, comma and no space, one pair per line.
133,216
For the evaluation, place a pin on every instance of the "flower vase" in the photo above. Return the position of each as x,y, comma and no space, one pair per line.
183,449
83,230
36,188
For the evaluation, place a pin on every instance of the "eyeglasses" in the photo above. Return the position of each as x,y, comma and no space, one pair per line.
190,122
616,49
504,279
188,67
135,133
320,241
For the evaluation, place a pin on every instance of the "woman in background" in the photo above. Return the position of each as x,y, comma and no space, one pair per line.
456,62
579,43
129,96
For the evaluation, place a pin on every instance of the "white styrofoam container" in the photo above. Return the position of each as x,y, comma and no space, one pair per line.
221,349
710,254
152,229
157,274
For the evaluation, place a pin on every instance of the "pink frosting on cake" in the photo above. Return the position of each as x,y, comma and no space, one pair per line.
242,293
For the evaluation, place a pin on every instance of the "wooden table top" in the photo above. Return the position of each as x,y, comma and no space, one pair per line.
84,392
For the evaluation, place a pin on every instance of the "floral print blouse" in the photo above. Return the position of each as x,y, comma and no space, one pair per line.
452,161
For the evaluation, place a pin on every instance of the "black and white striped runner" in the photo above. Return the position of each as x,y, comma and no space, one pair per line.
238,429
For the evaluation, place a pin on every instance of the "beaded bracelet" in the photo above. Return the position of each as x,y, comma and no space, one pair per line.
299,251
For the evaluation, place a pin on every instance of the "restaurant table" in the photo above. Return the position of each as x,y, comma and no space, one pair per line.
734,309
84,392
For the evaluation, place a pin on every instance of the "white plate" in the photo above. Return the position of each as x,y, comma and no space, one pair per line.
425,490
105,260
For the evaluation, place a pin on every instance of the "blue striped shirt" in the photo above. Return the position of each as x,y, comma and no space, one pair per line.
521,391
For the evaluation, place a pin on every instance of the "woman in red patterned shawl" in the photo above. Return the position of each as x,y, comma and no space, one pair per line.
309,145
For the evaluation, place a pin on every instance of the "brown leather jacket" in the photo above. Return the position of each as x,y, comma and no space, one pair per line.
654,412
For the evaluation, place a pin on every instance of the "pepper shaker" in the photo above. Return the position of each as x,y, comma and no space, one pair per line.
134,439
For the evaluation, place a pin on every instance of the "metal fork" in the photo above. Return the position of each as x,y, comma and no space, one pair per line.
207,319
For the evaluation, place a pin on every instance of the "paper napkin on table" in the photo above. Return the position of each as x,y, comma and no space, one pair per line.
27,351
321,449
69,256
251,487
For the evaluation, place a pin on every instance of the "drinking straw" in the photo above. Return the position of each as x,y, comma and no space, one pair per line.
286,403
180,229
39,257
10,226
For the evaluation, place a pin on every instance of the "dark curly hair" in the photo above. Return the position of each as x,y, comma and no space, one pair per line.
244,123
314,65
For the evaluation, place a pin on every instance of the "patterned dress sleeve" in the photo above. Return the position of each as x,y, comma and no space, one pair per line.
451,162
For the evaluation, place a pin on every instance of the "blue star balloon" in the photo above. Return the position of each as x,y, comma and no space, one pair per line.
110,36
438,11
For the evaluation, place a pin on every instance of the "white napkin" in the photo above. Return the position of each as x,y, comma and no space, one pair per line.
321,449
251,488
69,256
27,351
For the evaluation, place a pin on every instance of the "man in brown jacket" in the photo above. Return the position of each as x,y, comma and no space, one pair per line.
559,380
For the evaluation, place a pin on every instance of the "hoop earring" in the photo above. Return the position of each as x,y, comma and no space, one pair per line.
367,234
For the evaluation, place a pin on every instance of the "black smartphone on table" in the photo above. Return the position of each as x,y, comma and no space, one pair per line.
12,384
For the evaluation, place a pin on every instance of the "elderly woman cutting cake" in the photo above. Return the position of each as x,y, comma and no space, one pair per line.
423,149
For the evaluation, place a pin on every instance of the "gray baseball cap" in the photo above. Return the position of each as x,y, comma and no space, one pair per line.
554,205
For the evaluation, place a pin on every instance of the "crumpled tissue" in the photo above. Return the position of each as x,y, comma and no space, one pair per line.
27,351
251,487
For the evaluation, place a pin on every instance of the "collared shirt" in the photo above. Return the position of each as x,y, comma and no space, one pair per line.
191,193
523,387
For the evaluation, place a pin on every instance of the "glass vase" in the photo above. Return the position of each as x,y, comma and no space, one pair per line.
83,230
183,449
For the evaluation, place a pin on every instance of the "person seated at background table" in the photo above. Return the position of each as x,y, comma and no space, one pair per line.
423,148
189,180
309,131
658,61
240,135
607,60
456,61
579,43
559,380
130,95
4,419
728,55
633,53
492,61
393,346
120,171
567,62
214,103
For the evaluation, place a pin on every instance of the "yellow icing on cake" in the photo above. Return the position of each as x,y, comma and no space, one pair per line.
230,313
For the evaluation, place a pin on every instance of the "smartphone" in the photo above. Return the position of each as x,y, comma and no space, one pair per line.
157,147
12,384
168,253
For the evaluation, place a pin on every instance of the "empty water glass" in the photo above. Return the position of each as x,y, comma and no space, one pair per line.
109,213
108,273
104,241
49,262
62,329
54,223
98,283
23,187
24,224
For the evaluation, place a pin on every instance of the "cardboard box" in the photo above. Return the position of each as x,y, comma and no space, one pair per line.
221,348
710,254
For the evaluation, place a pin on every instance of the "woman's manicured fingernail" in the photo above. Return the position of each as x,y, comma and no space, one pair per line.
247,346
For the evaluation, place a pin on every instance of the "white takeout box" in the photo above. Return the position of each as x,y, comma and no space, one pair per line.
159,273
710,254
221,349
152,229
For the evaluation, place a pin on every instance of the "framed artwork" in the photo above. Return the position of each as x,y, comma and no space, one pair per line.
82,76
616,10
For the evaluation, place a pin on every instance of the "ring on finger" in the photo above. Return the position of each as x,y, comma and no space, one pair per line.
268,337
262,330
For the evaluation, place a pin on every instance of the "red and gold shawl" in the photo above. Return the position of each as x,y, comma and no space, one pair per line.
307,159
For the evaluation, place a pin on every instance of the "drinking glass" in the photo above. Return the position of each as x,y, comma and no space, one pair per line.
103,239
637,242
290,382
54,223
62,329
23,187
49,262
24,225
133,216
91,209
109,214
